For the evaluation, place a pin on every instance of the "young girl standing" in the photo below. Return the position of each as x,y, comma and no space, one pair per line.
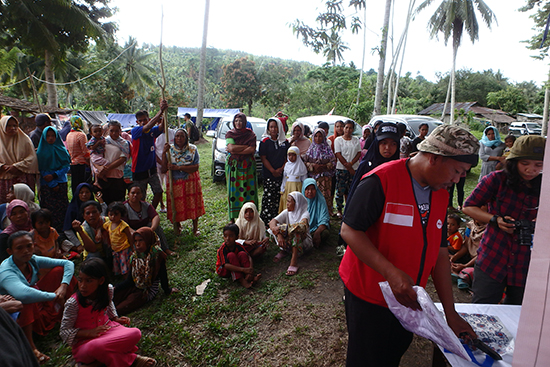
295,172
92,327
96,146
120,237
347,149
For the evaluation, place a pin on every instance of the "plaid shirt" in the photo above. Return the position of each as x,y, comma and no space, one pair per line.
499,254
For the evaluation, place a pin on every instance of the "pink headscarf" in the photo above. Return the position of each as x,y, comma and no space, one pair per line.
12,228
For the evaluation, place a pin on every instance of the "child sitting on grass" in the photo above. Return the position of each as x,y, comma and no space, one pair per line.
233,260
91,325
251,230
454,238
119,237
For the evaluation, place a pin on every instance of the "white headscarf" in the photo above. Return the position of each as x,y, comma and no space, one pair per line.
300,208
281,138
253,230
294,171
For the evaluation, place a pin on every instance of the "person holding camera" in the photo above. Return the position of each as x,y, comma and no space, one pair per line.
512,196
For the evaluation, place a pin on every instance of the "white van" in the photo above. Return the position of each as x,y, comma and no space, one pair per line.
525,128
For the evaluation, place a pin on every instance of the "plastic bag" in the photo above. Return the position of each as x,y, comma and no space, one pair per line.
428,322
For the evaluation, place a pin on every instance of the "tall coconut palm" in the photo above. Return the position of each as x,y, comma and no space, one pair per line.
137,74
334,48
451,18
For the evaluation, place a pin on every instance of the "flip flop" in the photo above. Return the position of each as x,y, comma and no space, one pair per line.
42,358
293,270
142,361
279,256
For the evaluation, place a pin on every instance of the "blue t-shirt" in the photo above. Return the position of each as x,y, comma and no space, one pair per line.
143,148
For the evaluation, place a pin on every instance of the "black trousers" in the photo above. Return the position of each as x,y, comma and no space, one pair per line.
79,173
489,291
376,338
113,189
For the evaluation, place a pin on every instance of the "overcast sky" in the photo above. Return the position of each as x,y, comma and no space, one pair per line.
261,27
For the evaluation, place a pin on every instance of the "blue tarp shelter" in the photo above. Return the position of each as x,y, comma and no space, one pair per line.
127,120
215,114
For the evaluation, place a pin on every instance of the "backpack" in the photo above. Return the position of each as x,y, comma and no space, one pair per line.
195,134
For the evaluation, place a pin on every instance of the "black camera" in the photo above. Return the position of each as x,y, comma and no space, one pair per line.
524,229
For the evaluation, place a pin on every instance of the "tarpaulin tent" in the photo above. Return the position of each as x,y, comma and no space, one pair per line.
215,114
93,117
127,120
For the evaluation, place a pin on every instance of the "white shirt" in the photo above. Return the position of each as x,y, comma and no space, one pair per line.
348,149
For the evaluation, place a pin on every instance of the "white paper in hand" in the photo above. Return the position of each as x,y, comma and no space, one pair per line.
428,323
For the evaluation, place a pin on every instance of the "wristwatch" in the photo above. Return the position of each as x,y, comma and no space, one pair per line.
494,220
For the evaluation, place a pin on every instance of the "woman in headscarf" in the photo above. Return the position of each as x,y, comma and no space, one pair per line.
366,132
321,164
18,191
80,156
370,139
185,187
319,217
147,272
490,151
273,149
18,162
384,148
54,163
298,138
251,230
20,218
290,230
240,166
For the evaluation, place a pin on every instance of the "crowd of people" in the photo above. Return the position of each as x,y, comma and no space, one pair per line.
388,190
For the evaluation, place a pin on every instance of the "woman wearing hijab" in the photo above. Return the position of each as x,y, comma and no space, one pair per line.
384,148
291,231
240,166
490,151
18,191
80,155
18,162
366,132
273,149
20,218
298,138
251,230
185,187
294,174
319,217
54,163
321,165
370,138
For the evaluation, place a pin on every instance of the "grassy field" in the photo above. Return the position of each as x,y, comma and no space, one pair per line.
282,321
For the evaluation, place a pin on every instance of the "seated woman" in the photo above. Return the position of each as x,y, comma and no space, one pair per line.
147,271
41,298
90,234
19,191
291,231
142,214
251,230
19,215
319,217
83,193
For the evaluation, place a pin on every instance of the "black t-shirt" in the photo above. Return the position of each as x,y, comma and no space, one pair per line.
275,154
415,142
368,204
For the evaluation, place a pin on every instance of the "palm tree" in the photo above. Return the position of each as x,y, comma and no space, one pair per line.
382,62
334,48
451,18
137,74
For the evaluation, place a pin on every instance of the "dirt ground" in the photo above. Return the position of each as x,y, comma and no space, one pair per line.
312,326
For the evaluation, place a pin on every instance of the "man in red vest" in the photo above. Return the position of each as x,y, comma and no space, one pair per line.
396,231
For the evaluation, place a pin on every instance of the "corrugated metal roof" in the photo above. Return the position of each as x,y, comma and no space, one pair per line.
530,115
437,108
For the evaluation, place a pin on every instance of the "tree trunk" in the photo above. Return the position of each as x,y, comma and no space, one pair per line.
545,113
455,51
446,100
202,68
382,62
50,78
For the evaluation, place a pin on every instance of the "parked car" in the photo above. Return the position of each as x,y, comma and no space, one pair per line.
524,128
219,152
312,122
412,121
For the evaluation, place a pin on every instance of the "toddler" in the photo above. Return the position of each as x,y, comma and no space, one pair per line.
294,173
233,260
119,237
96,146
454,238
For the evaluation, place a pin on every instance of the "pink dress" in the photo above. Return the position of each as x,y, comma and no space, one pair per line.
115,348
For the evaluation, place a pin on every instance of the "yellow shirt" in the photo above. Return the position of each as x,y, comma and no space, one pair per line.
119,240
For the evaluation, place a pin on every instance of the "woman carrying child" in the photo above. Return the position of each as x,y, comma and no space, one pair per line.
54,163
146,271
186,183
92,327
291,231
119,236
512,195
490,151
295,172
233,260
251,230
